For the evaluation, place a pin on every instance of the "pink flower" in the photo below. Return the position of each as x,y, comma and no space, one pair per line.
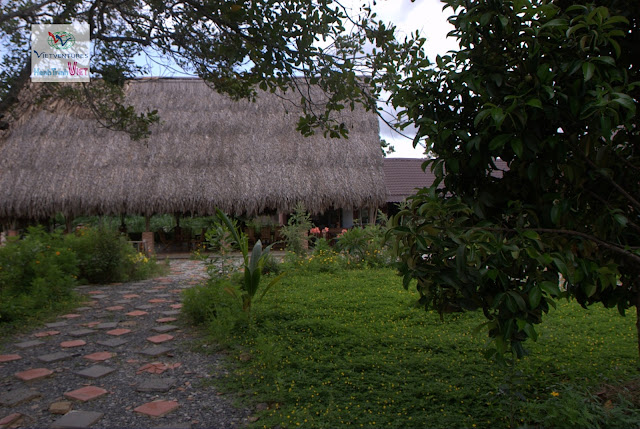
325,230
315,230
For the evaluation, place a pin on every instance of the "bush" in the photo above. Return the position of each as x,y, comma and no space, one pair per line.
214,305
365,247
321,261
105,256
36,273
295,232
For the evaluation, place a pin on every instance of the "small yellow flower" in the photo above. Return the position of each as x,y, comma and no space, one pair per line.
555,394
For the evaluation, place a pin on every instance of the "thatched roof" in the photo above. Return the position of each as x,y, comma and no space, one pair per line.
209,152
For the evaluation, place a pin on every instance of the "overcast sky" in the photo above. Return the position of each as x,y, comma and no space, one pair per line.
427,17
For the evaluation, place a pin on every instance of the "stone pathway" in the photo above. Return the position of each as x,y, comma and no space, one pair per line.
122,360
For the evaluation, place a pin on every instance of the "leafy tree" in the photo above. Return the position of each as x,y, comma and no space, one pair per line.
235,46
551,89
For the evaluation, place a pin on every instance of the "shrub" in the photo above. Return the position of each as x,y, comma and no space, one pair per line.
321,261
105,256
296,229
365,246
36,273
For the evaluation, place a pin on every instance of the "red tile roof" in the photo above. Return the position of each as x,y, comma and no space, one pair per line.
403,176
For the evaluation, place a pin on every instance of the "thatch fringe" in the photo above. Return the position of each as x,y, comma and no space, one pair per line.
208,152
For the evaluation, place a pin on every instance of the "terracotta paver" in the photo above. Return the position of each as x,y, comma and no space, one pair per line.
72,343
176,306
45,334
86,393
119,331
115,308
157,339
70,316
157,408
10,419
157,367
137,313
9,358
158,300
166,319
131,295
95,292
99,356
33,374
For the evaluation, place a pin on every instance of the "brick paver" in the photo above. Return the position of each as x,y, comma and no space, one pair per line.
157,408
9,358
99,356
33,374
118,332
166,319
157,339
137,313
86,393
45,334
72,343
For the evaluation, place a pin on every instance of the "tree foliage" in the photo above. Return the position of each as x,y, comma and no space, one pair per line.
235,46
551,89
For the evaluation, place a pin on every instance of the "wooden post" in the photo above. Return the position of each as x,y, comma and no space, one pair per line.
147,236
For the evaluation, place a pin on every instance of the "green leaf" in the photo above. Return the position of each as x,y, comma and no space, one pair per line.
535,295
535,102
499,141
621,219
516,145
589,289
587,70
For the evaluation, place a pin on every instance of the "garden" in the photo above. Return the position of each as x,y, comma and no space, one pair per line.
39,271
330,338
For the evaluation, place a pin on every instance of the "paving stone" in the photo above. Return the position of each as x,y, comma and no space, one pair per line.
33,374
158,367
157,339
156,385
157,408
164,328
96,292
115,342
56,324
9,358
107,325
29,344
137,313
122,301
54,357
166,319
100,296
176,306
45,334
174,426
70,316
81,332
92,324
77,419
95,371
163,295
18,396
85,394
84,308
131,295
99,356
115,308
119,331
128,323
11,419
171,312
155,351
145,307
72,343
60,407
157,301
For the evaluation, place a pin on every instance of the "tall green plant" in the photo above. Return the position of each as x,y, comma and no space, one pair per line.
296,231
253,263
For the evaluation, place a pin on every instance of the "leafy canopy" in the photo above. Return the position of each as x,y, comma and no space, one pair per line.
551,89
235,46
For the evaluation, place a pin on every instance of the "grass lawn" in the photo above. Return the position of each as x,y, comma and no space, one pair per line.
351,349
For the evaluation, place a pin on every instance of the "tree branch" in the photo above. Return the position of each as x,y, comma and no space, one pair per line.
23,13
613,247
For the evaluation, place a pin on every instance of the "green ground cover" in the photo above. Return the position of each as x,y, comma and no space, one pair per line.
349,348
